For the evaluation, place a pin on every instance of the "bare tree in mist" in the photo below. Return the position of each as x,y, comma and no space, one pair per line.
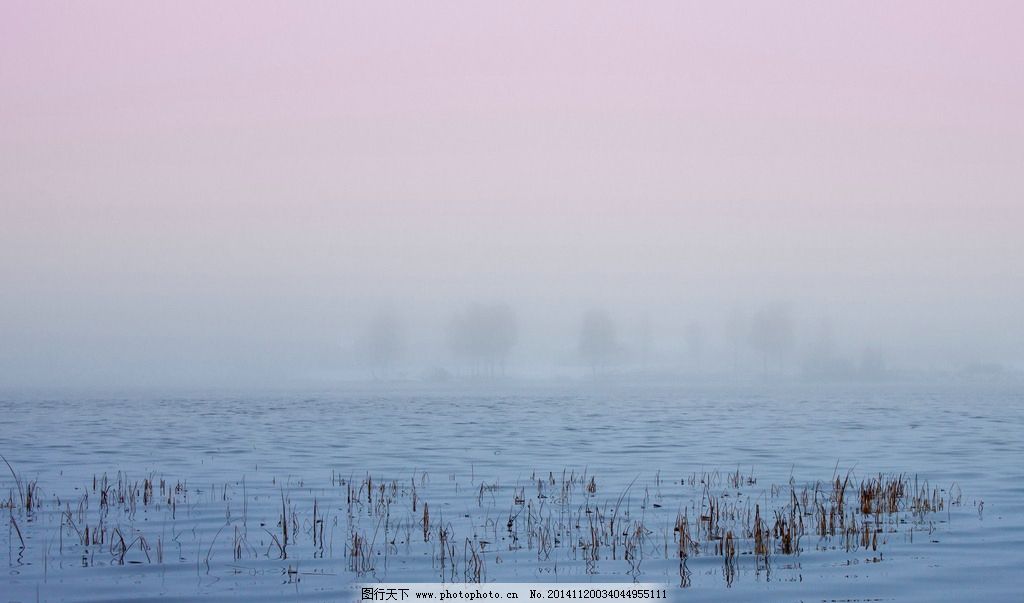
645,341
381,344
771,333
484,335
598,342
822,361
694,336
872,364
735,333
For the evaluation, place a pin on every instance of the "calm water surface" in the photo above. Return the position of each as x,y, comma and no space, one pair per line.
231,465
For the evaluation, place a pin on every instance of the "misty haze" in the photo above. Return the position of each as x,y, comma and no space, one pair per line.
720,298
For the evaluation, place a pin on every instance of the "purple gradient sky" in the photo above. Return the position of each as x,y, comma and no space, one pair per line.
255,176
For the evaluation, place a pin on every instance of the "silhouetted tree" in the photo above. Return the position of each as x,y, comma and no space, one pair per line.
484,334
645,341
823,362
598,343
735,332
695,344
381,344
771,332
872,364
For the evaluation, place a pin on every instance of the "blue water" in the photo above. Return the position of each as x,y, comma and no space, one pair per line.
470,450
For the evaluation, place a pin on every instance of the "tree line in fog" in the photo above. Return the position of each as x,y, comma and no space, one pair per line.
480,340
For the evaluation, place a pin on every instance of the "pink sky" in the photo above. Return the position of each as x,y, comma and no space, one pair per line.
176,152
357,91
